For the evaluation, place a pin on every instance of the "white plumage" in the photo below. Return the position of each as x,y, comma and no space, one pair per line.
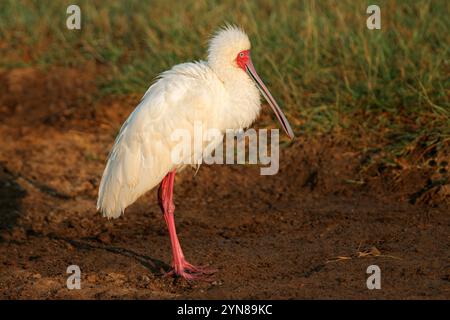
215,92
218,94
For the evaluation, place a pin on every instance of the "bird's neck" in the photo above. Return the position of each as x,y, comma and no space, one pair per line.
231,76
244,101
225,71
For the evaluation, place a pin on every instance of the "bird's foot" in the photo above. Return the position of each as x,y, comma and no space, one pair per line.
190,272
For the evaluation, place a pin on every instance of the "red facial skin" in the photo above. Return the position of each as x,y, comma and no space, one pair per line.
242,58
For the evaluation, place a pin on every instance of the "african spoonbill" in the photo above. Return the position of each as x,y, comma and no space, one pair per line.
221,93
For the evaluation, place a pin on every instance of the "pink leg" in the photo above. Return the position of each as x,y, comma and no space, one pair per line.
180,266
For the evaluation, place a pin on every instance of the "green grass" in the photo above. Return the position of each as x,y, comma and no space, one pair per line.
325,67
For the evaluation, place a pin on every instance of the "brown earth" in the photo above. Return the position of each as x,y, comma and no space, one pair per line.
310,231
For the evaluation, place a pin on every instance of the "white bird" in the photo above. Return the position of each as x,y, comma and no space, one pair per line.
220,93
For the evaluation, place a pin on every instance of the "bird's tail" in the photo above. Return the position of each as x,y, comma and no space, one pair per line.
108,202
123,183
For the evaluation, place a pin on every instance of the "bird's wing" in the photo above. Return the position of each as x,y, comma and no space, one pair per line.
141,154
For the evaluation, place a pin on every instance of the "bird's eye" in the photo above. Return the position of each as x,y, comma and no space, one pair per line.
241,54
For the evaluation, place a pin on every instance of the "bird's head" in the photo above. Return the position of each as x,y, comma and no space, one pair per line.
229,52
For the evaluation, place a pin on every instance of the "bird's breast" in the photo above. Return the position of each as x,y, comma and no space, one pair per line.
243,104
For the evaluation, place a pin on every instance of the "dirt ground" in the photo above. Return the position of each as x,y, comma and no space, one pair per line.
310,231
